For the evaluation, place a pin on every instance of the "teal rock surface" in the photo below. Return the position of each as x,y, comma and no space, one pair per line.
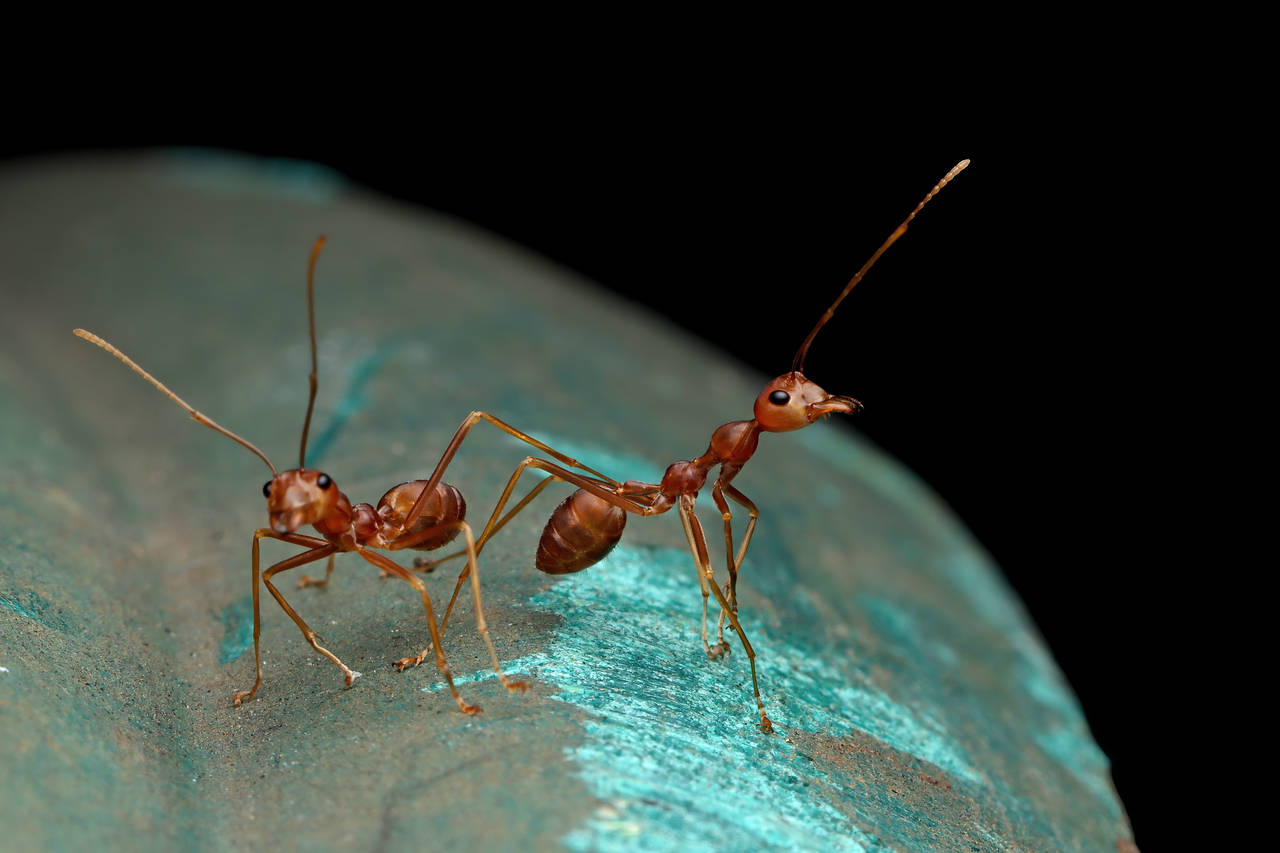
916,707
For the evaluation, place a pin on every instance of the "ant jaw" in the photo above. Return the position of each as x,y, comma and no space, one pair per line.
834,404
288,522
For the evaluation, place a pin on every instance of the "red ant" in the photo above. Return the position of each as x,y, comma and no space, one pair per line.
589,523
421,515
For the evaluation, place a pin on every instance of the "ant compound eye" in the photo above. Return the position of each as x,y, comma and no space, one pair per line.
779,398
323,481
266,489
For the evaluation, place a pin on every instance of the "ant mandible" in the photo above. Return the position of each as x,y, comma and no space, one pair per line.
589,523
420,515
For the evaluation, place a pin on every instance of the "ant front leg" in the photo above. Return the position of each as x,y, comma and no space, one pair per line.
735,563
698,544
721,648
319,550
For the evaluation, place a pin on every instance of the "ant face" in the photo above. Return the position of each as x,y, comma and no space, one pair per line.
791,401
299,497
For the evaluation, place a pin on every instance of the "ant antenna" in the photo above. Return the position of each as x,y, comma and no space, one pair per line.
196,416
311,318
797,364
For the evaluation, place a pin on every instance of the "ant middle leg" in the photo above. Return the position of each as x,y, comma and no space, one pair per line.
735,563
490,530
306,580
698,544
471,570
391,567
721,648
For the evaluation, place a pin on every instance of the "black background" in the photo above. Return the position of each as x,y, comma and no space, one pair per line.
982,344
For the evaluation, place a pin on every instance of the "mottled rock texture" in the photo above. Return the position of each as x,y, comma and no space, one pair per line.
917,708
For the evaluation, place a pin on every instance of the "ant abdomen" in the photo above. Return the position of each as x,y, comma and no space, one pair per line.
579,534
444,504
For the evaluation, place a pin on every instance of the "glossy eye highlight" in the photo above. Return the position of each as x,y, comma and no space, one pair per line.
779,398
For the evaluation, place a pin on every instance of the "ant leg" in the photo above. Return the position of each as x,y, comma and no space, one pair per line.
557,473
429,565
242,695
731,590
721,647
472,569
467,423
612,494
317,551
698,542
480,543
628,489
307,633
404,574
490,530
306,580
746,502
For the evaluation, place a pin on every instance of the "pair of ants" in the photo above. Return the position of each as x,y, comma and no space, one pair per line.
425,515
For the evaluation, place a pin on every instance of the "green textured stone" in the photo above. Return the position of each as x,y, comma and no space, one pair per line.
917,708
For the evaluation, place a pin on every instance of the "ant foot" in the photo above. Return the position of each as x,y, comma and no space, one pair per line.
766,725
719,650
513,686
470,709
404,663
241,695
352,675
306,581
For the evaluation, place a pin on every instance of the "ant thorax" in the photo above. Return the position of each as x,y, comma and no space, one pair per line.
735,442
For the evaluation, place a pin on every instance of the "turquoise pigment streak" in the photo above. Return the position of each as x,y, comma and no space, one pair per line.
237,629
353,399
673,749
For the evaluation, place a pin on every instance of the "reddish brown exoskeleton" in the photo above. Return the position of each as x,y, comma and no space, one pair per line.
420,515
589,523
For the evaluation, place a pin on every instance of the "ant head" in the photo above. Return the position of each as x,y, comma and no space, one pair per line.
791,401
299,497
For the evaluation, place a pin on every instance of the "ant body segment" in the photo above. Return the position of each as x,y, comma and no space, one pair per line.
420,515
589,523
